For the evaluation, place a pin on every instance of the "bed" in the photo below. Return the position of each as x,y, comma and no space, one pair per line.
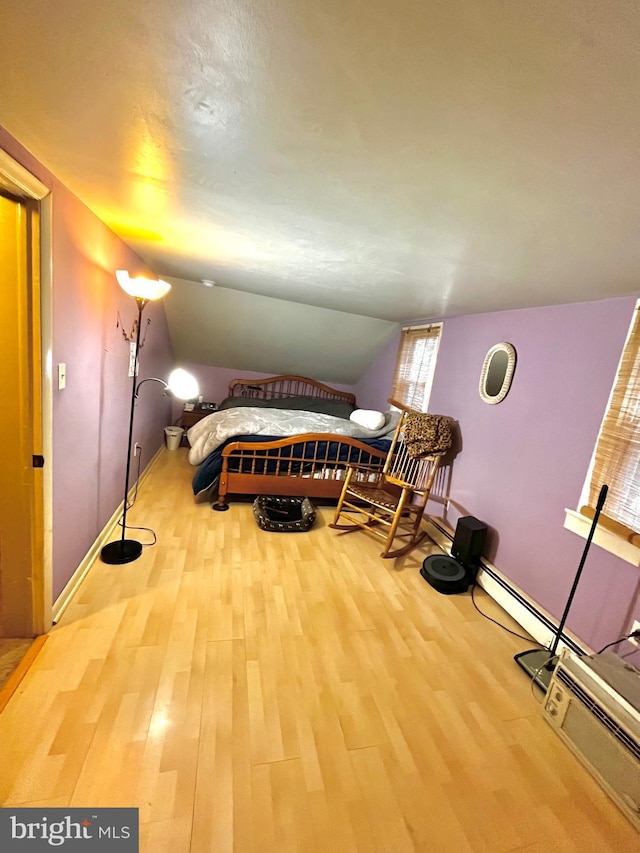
284,435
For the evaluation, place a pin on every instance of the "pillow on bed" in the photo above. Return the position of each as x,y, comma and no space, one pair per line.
368,418
337,408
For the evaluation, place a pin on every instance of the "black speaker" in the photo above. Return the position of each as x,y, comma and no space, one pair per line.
468,542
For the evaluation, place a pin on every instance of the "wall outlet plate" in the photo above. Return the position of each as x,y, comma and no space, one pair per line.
635,627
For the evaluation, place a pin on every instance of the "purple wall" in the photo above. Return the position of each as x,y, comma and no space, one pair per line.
524,460
91,415
374,387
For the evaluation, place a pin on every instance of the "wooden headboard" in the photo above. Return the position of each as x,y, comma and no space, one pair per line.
287,386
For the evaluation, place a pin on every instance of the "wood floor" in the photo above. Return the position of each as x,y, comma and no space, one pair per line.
256,692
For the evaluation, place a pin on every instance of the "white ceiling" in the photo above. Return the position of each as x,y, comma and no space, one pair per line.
394,160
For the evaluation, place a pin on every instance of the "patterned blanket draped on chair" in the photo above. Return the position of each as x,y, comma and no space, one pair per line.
392,506
426,435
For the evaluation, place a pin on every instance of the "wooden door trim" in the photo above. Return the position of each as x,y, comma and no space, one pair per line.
24,185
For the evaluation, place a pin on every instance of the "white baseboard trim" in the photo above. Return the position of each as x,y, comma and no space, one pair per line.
71,587
539,624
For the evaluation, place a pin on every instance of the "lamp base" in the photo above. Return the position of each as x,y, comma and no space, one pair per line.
122,551
538,664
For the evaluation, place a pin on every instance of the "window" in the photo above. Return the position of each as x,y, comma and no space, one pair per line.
416,365
616,458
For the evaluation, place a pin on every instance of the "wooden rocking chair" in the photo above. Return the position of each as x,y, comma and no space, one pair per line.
392,504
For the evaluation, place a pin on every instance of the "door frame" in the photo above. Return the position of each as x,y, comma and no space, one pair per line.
22,184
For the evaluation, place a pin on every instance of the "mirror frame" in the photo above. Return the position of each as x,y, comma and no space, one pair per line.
510,351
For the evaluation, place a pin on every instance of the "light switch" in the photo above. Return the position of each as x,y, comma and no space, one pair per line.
62,376
132,358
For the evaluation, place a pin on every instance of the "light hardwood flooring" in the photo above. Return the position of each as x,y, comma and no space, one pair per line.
256,692
12,650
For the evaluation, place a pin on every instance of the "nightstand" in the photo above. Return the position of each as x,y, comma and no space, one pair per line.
188,419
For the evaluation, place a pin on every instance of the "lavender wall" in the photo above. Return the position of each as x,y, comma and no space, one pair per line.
524,460
374,387
91,415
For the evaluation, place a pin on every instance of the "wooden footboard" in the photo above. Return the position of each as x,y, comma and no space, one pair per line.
311,465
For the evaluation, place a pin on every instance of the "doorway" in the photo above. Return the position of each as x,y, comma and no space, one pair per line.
25,410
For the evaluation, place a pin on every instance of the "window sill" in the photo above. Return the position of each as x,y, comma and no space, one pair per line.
612,542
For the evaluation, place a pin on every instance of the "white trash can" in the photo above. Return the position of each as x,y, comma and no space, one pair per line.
174,437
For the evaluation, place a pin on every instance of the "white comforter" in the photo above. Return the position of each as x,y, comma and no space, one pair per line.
209,433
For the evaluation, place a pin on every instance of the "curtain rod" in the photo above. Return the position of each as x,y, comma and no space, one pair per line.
418,328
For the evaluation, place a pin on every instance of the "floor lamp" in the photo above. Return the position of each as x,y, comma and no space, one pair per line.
180,383
539,663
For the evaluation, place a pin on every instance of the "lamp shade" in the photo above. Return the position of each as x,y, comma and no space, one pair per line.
141,287
182,384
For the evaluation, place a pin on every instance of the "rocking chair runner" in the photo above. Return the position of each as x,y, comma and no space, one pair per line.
392,506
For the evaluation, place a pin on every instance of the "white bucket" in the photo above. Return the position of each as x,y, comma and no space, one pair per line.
174,437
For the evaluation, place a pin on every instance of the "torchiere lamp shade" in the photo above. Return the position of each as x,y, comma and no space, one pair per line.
141,287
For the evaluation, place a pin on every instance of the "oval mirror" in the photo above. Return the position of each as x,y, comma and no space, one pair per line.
497,372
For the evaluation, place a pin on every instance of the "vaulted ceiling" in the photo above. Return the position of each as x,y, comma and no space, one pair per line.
341,160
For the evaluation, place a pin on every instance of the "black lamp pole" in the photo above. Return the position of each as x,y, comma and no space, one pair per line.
539,663
127,550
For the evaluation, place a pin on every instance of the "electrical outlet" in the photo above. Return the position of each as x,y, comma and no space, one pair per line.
137,448
635,627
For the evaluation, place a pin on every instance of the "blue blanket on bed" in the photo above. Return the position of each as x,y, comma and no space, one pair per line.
209,470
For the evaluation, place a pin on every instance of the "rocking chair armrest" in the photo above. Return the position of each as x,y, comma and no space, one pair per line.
369,475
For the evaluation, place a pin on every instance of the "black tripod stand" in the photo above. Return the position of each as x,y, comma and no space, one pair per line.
539,663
